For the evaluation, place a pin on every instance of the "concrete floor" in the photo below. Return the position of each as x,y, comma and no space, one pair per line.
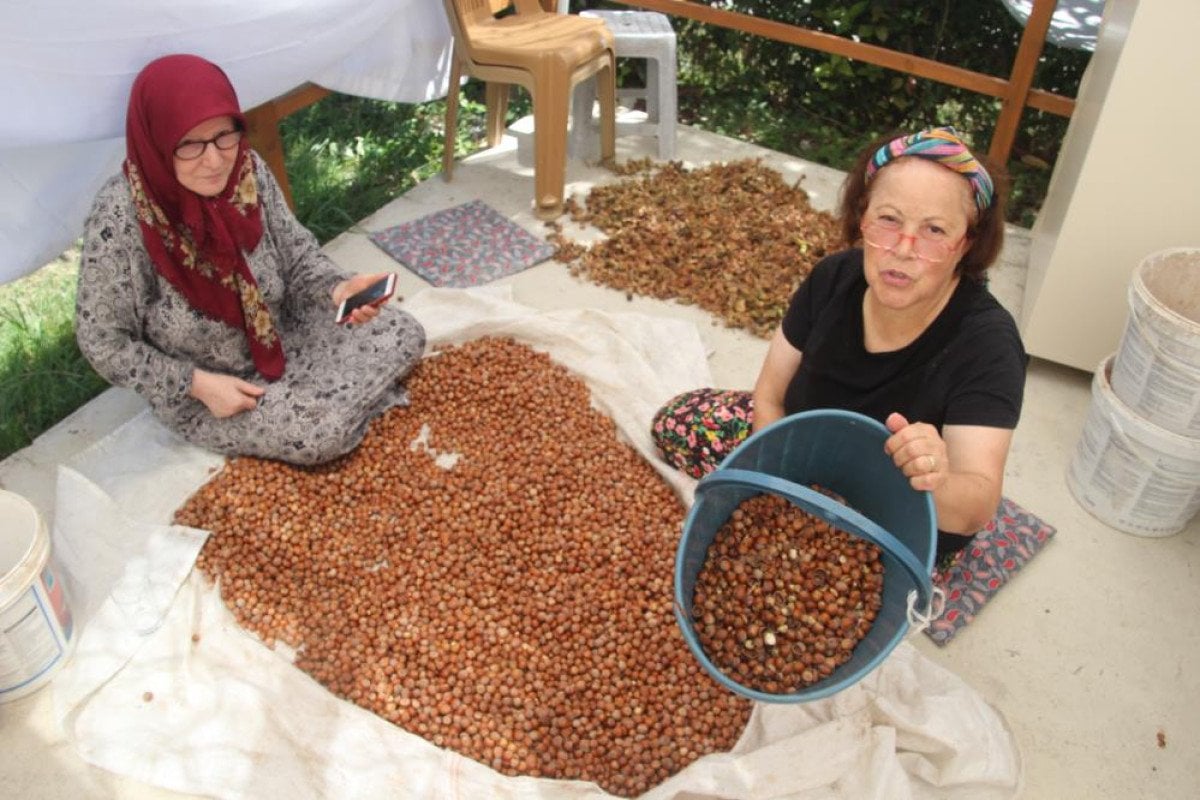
1090,653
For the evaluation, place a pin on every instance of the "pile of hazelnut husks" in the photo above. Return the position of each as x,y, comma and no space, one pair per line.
733,239
491,570
783,598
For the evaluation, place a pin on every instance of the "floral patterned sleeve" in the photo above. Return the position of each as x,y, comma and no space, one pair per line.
114,291
308,273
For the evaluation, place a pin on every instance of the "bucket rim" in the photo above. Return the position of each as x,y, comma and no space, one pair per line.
812,413
1140,289
852,417
1146,432
27,564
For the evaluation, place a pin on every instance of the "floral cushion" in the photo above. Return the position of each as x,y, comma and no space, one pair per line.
975,573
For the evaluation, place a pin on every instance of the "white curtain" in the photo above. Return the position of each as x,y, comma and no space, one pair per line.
66,67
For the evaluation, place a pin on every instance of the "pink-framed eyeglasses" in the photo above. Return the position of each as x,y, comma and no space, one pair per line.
886,234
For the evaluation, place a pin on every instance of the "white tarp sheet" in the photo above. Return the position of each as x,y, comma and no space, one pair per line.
66,68
230,718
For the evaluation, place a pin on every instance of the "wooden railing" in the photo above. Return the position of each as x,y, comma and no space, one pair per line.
1016,91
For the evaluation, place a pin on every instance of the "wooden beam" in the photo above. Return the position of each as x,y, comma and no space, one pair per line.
299,98
1050,102
1021,79
262,127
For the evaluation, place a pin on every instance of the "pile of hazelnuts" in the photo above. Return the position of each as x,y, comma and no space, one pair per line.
491,569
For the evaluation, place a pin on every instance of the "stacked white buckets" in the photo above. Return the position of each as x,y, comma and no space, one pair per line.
1137,465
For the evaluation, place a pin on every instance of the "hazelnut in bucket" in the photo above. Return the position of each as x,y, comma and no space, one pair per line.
810,625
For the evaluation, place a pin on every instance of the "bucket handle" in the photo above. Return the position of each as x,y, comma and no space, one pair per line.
831,511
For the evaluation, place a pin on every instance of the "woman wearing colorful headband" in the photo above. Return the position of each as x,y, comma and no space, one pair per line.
900,327
200,290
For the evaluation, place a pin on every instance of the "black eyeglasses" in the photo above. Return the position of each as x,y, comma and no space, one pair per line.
191,150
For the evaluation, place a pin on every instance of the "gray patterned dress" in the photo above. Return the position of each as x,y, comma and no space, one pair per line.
138,331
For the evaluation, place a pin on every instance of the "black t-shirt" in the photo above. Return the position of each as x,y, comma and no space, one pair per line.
967,368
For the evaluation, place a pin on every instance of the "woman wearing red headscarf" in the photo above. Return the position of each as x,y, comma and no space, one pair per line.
200,290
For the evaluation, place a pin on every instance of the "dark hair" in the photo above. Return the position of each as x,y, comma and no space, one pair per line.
986,231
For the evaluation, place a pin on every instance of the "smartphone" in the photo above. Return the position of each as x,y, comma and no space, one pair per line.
375,294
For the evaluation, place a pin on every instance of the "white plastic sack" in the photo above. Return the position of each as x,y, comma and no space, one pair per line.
227,717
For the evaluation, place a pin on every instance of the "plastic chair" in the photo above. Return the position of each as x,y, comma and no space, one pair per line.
548,54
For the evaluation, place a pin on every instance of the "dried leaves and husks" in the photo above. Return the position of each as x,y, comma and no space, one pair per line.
734,239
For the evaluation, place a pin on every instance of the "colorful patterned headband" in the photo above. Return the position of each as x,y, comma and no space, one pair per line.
943,146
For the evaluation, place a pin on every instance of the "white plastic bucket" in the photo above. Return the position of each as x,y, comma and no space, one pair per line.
1130,473
1157,369
35,620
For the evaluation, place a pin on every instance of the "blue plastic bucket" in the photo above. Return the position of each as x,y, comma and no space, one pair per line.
841,451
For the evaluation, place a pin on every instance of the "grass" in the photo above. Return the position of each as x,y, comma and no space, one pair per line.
43,376
348,156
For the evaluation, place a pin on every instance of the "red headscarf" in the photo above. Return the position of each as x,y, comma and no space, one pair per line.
197,243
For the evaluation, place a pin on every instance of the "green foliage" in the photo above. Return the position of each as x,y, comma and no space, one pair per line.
825,108
347,157
43,376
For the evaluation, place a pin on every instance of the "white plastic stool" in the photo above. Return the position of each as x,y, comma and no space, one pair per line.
638,34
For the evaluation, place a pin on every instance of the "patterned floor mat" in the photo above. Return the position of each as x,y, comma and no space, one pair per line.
467,245
976,573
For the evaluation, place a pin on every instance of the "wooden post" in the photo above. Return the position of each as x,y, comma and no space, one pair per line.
1021,79
262,124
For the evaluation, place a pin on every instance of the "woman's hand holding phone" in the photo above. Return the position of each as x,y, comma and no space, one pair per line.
358,298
